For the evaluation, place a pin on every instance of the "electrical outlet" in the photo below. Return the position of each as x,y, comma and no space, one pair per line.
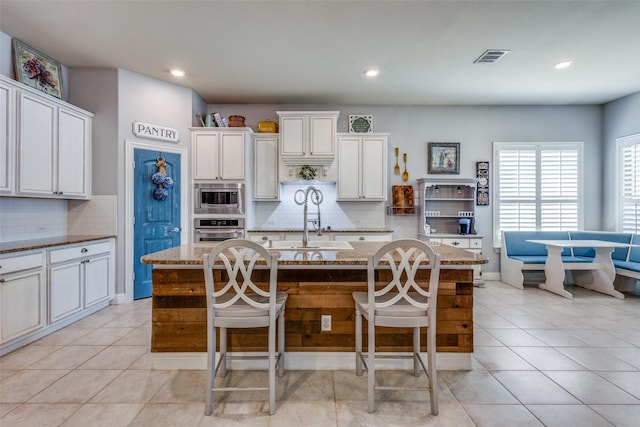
325,322
271,222
41,228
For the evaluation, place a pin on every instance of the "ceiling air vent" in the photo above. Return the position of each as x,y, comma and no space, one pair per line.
491,55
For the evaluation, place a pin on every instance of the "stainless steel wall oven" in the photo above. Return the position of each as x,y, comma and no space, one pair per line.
217,229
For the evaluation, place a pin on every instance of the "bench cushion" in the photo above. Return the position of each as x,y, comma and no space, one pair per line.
627,265
516,242
618,253
634,255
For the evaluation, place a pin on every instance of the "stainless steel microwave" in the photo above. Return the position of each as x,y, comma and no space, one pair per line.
219,198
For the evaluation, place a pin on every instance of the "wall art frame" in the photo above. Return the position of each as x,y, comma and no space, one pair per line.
443,158
37,70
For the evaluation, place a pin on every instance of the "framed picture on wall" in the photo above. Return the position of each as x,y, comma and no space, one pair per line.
444,158
36,69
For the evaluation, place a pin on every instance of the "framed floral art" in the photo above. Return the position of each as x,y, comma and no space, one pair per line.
36,69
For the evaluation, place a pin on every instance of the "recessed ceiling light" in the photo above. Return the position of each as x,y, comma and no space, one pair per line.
563,64
372,72
177,73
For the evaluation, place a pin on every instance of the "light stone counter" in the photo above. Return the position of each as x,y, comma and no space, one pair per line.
191,254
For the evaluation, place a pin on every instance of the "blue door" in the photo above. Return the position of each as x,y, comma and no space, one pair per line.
156,211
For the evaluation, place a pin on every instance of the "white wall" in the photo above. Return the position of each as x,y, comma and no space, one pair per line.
476,128
621,118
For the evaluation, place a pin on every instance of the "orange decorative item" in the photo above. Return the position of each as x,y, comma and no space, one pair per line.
236,121
267,126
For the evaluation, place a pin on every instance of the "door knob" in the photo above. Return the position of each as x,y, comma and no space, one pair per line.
175,230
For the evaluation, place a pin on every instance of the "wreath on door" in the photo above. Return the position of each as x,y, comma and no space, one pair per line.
161,179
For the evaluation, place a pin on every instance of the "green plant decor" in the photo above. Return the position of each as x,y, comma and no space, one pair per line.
307,173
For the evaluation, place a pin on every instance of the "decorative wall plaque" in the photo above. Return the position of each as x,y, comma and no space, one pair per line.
482,186
360,124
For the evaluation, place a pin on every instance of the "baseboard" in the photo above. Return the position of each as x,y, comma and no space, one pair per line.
494,276
298,361
119,299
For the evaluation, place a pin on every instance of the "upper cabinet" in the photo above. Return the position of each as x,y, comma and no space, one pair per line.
7,138
52,141
265,162
308,137
362,167
219,153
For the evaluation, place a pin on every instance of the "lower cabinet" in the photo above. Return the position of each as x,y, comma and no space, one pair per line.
43,291
470,242
79,277
22,296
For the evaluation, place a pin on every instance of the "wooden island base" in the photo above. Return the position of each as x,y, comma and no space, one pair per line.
179,317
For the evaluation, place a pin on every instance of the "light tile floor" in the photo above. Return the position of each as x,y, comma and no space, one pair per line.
539,359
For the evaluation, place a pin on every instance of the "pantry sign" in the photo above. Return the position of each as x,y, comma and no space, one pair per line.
162,133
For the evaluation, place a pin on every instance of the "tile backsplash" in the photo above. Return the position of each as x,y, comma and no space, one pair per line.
23,218
95,216
286,214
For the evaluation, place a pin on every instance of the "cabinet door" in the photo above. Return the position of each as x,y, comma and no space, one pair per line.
322,131
349,167
7,127
374,168
292,136
231,162
73,133
21,304
363,237
65,294
96,280
205,155
37,132
265,163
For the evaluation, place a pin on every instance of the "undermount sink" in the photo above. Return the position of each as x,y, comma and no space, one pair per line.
296,245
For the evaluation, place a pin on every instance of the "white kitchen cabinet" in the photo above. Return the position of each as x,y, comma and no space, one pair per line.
266,184
54,146
363,237
80,276
219,154
308,137
7,137
22,295
472,243
362,167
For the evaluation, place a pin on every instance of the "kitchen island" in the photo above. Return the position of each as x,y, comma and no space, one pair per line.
319,282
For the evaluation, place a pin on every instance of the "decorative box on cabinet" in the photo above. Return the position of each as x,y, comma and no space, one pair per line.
219,153
266,185
308,137
362,167
54,144
22,295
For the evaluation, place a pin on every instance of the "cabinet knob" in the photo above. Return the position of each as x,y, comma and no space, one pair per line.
361,238
1,280
84,250
265,238
455,243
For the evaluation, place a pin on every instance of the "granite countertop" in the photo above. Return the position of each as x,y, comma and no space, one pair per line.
47,242
289,230
191,254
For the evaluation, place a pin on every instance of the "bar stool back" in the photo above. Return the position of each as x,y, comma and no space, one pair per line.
401,303
240,303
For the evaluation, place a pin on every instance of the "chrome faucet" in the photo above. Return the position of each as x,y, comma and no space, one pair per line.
301,197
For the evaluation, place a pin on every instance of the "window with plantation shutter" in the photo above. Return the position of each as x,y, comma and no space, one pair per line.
629,178
537,187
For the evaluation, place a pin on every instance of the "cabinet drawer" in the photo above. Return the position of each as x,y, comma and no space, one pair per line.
80,251
19,263
475,243
458,243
